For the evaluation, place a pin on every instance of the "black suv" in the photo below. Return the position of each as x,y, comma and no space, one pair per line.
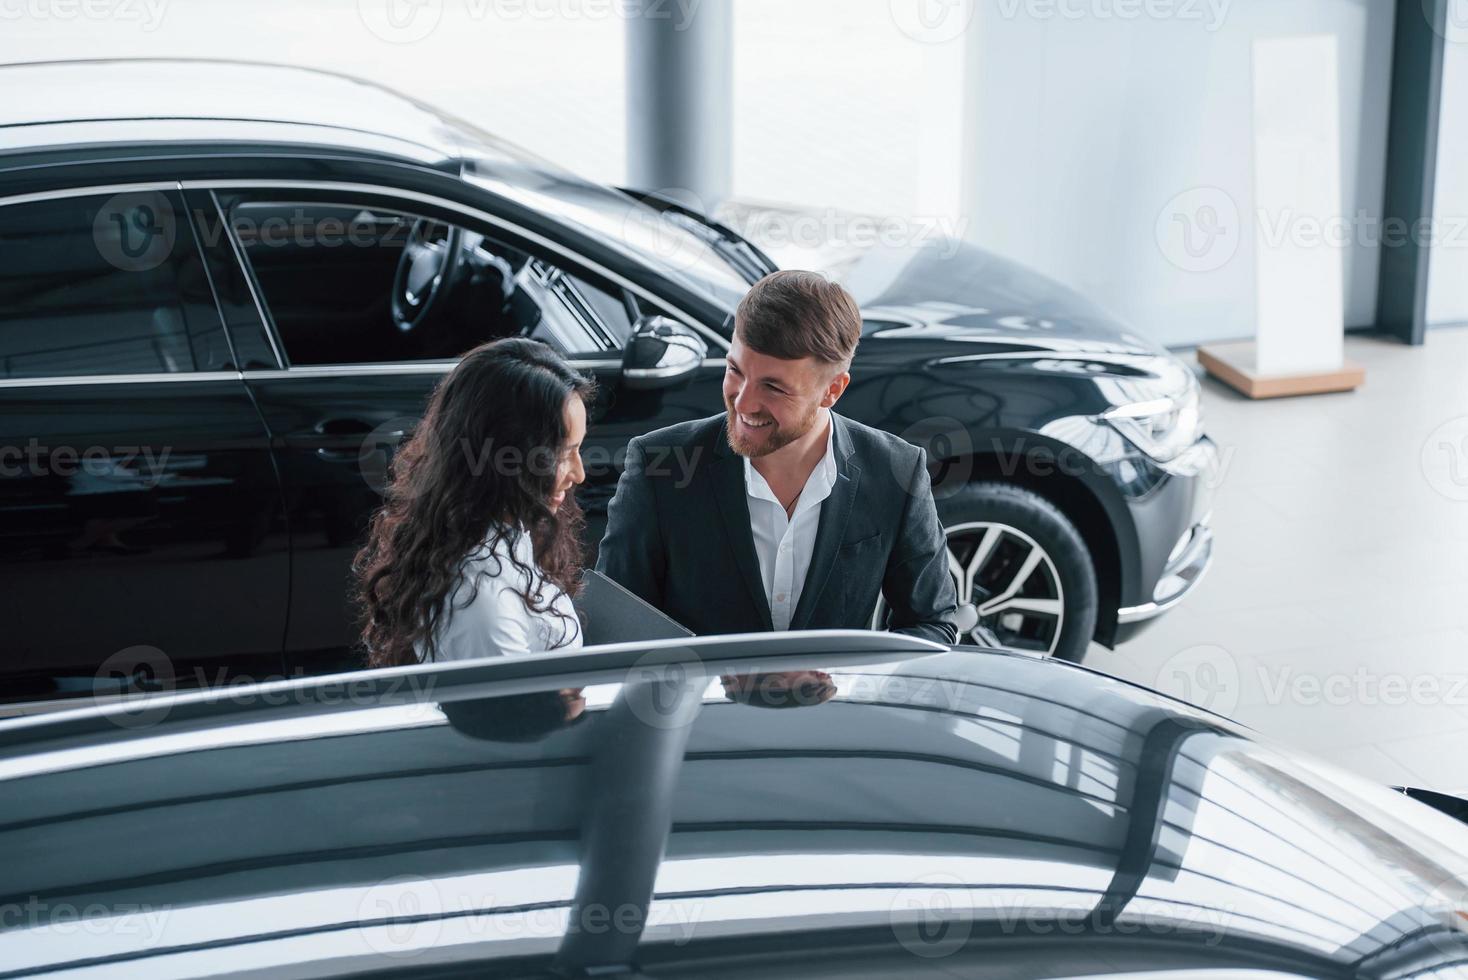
227,289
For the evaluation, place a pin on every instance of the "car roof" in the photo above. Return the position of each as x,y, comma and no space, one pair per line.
465,817
122,102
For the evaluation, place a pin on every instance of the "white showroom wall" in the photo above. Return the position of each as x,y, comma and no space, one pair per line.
1095,141
835,106
547,75
1077,136
1447,282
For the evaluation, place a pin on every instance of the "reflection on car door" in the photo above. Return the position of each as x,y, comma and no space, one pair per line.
137,490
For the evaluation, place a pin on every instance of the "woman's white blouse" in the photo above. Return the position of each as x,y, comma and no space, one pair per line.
496,622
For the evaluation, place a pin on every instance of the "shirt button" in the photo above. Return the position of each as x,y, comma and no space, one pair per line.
780,597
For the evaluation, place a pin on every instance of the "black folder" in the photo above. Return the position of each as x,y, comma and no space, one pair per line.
615,615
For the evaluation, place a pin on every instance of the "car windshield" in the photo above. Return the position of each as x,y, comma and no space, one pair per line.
661,242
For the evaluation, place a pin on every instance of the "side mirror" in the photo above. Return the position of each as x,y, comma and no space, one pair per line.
661,353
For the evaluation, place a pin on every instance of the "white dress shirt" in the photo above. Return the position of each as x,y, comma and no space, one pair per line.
784,543
496,622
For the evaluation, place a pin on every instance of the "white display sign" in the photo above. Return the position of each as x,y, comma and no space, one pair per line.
1300,229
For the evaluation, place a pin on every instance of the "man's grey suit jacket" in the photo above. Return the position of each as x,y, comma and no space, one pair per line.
678,535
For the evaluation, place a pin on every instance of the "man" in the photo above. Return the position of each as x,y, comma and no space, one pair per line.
793,516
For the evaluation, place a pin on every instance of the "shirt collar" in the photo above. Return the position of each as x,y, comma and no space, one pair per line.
817,486
514,540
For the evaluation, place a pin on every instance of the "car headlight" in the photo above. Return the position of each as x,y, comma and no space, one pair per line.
1161,427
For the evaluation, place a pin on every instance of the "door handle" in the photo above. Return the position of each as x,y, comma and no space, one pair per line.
344,440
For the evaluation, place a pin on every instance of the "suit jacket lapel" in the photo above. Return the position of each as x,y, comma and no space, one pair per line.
831,530
733,503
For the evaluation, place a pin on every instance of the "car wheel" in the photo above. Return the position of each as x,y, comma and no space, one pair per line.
1022,570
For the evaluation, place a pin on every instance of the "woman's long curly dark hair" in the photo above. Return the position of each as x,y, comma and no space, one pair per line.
481,464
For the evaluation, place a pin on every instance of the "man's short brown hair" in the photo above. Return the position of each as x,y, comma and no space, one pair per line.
793,314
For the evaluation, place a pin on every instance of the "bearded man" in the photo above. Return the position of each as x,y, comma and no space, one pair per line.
792,516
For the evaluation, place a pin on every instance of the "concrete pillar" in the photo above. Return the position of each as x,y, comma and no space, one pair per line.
680,101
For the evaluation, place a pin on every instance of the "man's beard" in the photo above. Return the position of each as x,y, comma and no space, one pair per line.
776,436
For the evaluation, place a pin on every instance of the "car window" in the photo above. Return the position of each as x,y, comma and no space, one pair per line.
348,284
110,284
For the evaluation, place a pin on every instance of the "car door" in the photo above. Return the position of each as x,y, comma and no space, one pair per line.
352,383
137,490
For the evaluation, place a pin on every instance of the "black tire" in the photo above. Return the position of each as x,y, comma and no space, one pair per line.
1037,519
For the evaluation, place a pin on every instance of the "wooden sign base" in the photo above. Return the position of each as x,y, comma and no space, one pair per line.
1236,366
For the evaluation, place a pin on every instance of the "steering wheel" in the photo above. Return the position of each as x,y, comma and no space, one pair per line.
427,269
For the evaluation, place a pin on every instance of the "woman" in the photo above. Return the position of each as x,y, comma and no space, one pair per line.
477,550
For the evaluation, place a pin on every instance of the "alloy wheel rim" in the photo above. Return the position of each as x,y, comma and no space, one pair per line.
1007,583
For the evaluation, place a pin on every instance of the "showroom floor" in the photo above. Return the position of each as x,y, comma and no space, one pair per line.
1335,616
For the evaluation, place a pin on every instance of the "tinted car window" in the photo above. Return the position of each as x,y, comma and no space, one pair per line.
336,280
103,285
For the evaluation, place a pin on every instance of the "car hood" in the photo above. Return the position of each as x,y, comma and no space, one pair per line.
773,791
959,292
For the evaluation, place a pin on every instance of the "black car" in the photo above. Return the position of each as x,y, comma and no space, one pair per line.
227,289
818,804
